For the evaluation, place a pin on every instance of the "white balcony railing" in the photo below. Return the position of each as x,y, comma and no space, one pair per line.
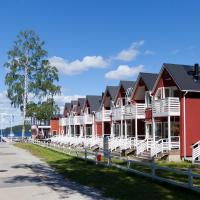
98,116
103,115
118,113
71,120
62,121
78,120
88,119
165,107
133,111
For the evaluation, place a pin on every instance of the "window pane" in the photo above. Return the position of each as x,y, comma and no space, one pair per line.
167,92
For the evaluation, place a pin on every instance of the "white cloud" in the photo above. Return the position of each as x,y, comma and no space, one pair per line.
149,52
62,99
131,53
78,66
124,71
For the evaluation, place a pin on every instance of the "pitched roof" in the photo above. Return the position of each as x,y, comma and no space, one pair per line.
67,106
81,102
149,79
94,102
127,84
74,102
182,76
112,91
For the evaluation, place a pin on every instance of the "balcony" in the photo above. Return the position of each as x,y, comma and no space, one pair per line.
71,120
78,120
103,115
62,122
133,111
169,106
118,113
88,119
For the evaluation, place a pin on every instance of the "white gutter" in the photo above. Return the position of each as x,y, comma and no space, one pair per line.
184,125
197,91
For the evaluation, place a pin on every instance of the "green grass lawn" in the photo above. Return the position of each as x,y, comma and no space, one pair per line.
111,182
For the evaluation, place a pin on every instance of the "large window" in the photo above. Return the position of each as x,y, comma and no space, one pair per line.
158,130
175,128
117,130
171,92
158,94
88,130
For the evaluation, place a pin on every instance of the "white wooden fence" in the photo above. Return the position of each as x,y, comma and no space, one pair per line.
129,166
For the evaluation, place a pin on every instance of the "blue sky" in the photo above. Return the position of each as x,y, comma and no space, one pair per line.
93,37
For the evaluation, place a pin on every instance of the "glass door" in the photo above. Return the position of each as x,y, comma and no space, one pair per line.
149,132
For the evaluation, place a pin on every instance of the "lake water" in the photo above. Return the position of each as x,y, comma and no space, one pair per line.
28,134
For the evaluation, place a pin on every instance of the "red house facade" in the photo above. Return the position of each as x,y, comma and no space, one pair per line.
176,107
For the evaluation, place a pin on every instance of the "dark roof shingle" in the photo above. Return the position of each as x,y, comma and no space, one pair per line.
149,79
181,74
94,102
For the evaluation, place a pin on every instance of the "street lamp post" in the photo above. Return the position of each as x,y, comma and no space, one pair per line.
1,127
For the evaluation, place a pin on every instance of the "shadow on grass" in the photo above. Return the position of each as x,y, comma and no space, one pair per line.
111,182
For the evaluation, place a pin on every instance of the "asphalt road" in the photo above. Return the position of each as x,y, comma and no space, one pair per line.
25,177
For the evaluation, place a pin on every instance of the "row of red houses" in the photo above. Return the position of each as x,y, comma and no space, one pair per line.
157,112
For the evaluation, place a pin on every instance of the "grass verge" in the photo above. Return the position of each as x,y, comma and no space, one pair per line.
111,182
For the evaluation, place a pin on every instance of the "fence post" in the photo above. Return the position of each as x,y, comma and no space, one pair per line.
153,170
85,153
128,163
96,159
190,178
109,159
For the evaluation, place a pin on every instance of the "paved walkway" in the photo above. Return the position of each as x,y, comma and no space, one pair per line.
25,177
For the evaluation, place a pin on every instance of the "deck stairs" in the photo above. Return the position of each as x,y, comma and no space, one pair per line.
196,153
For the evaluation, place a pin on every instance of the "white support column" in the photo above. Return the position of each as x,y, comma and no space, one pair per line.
93,125
103,129
112,129
70,131
154,129
146,131
136,131
85,132
81,130
125,128
121,128
169,132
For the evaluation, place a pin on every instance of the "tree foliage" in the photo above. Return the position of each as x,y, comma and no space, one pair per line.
28,54
42,111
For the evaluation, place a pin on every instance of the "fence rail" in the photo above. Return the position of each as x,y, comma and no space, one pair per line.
153,168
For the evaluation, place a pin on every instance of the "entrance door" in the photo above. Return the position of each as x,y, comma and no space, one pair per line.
88,130
149,132
117,130
165,131
158,131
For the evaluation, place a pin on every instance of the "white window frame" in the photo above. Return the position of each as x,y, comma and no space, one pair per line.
161,93
171,91
146,101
